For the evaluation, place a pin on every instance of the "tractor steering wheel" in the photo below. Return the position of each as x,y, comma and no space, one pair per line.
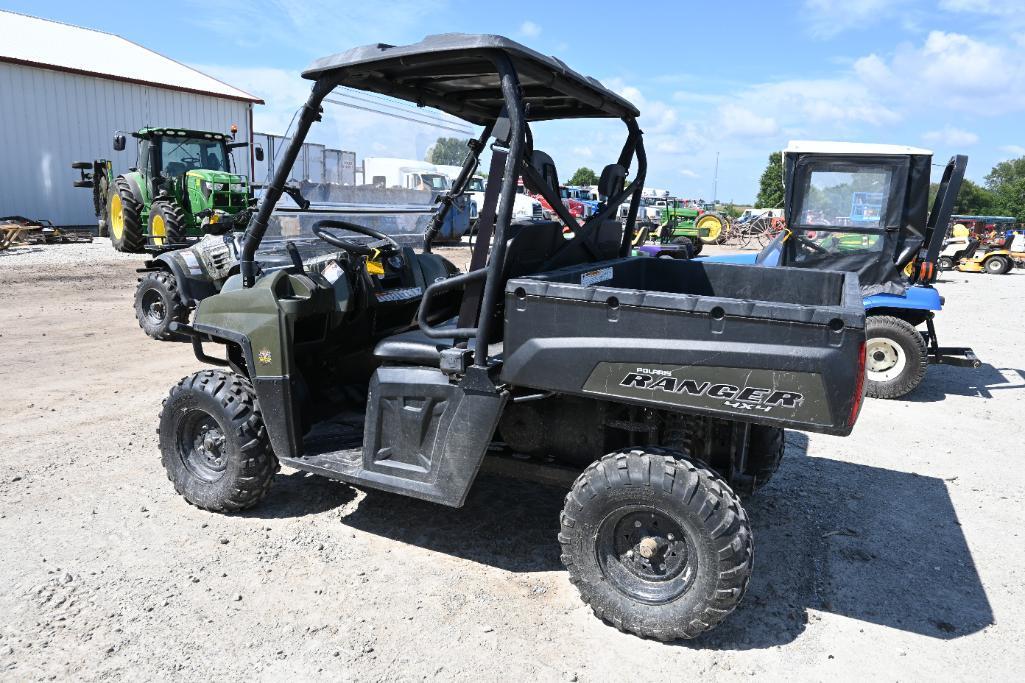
384,244
811,245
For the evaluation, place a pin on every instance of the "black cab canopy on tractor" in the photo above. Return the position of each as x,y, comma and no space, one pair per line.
865,208
661,387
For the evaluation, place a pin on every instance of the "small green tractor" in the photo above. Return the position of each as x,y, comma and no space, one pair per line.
181,187
680,223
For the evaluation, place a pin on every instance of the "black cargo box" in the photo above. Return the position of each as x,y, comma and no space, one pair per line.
777,346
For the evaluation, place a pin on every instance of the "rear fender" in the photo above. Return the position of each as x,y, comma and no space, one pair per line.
914,299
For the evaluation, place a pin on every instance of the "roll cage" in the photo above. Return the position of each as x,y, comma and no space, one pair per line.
497,83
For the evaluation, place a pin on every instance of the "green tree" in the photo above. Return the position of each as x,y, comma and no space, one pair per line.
447,151
770,186
972,200
1006,182
584,176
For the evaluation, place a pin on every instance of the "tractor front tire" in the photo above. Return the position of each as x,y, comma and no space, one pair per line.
895,357
996,265
657,544
166,224
715,223
158,303
124,218
213,442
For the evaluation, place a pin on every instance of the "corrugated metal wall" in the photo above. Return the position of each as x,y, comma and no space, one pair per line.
48,119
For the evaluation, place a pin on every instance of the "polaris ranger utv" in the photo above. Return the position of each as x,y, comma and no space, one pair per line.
663,385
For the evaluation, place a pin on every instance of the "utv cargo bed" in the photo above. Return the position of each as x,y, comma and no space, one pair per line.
778,346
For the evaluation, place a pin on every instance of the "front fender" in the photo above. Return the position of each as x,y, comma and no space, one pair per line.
194,283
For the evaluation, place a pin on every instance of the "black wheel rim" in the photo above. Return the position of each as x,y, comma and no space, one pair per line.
646,555
153,306
201,445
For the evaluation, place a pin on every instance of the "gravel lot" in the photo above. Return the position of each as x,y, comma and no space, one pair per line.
894,553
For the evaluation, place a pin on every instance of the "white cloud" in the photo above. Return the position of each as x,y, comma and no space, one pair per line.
951,137
994,7
1014,151
687,173
583,152
827,18
739,122
529,29
950,69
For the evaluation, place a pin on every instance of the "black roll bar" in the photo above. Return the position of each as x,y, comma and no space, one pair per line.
459,186
311,113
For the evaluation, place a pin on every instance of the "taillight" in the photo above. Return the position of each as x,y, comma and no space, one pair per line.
859,388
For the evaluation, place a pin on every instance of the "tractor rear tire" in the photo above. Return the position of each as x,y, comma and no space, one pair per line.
213,443
100,189
895,357
126,228
167,219
158,303
657,544
996,265
716,226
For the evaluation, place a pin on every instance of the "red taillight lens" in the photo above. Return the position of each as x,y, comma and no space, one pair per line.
859,389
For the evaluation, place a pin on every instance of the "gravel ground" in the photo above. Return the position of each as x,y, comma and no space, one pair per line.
894,553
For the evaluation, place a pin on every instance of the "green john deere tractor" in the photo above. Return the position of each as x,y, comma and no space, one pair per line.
182,187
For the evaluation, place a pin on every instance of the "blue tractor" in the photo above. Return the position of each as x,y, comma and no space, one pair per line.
864,208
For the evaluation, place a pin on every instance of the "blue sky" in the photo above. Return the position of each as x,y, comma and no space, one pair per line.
734,78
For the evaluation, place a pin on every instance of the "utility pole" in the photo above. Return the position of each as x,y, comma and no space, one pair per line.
715,182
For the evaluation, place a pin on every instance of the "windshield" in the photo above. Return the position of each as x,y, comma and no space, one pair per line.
476,185
856,197
371,160
178,155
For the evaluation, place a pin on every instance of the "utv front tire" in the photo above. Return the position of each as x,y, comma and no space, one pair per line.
158,303
124,218
213,443
658,545
895,357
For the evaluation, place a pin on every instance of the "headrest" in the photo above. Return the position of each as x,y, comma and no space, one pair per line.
612,181
545,167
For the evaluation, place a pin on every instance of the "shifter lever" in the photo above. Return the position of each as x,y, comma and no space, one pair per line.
297,262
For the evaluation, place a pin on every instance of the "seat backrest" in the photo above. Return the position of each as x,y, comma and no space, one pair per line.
530,245
592,243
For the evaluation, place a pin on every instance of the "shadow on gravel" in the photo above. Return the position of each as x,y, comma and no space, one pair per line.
867,543
981,382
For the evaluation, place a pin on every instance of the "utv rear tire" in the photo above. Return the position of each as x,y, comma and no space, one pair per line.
169,219
158,303
657,544
765,449
126,231
213,442
895,357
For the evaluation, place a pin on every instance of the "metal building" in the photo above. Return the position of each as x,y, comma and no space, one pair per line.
64,90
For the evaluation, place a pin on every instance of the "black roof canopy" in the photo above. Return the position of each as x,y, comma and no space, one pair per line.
454,73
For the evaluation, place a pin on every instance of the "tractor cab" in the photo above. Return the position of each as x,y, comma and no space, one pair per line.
862,208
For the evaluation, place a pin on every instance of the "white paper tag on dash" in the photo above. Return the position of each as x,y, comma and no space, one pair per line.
595,276
332,272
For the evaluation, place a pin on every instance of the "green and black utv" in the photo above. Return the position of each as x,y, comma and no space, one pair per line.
661,387
181,187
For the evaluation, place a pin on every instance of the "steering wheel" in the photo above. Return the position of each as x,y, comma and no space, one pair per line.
811,245
193,161
383,244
